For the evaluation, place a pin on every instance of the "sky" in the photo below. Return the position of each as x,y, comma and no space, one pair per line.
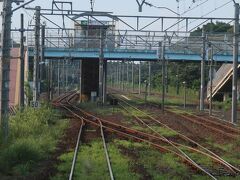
130,7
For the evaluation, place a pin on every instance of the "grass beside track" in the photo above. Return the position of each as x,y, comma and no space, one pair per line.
156,164
33,136
166,173
91,163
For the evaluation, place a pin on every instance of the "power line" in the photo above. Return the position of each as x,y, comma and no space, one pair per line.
192,8
160,7
217,8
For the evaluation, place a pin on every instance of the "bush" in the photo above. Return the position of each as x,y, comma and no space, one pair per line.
33,135
22,151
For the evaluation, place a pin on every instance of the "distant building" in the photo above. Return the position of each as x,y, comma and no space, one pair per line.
87,34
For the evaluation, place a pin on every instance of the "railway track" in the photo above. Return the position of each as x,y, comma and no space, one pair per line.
203,149
155,140
65,102
226,130
222,127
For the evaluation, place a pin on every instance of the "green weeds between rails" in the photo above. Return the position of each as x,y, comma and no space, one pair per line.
158,165
161,130
161,166
33,135
91,164
99,110
230,150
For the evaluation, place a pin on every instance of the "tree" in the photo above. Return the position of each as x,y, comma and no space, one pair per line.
218,27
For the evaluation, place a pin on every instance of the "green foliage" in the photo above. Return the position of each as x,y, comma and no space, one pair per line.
163,166
130,144
91,163
23,152
233,158
165,132
218,27
28,91
33,136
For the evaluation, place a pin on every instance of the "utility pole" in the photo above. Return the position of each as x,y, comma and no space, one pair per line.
149,77
43,65
133,76
177,84
48,81
51,78
123,75
101,67
117,79
105,81
166,81
162,46
185,95
66,74
211,80
58,77
80,79
120,74
146,90
22,63
36,55
203,71
139,78
5,66
127,73
235,64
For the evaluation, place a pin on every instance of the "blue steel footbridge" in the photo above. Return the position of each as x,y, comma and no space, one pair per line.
128,54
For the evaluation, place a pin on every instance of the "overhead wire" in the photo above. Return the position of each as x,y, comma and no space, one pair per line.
192,8
221,6
215,9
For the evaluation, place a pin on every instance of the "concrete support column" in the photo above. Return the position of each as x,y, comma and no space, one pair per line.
149,77
211,80
127,74
203,71
162,46
117,75
139,78
235,64
120,75
42,65
100,80
5,66
80,79
101,68
48,80
133,76
123,75
51,79
36,55
104,81
58,77
166,81
22,63
66,74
